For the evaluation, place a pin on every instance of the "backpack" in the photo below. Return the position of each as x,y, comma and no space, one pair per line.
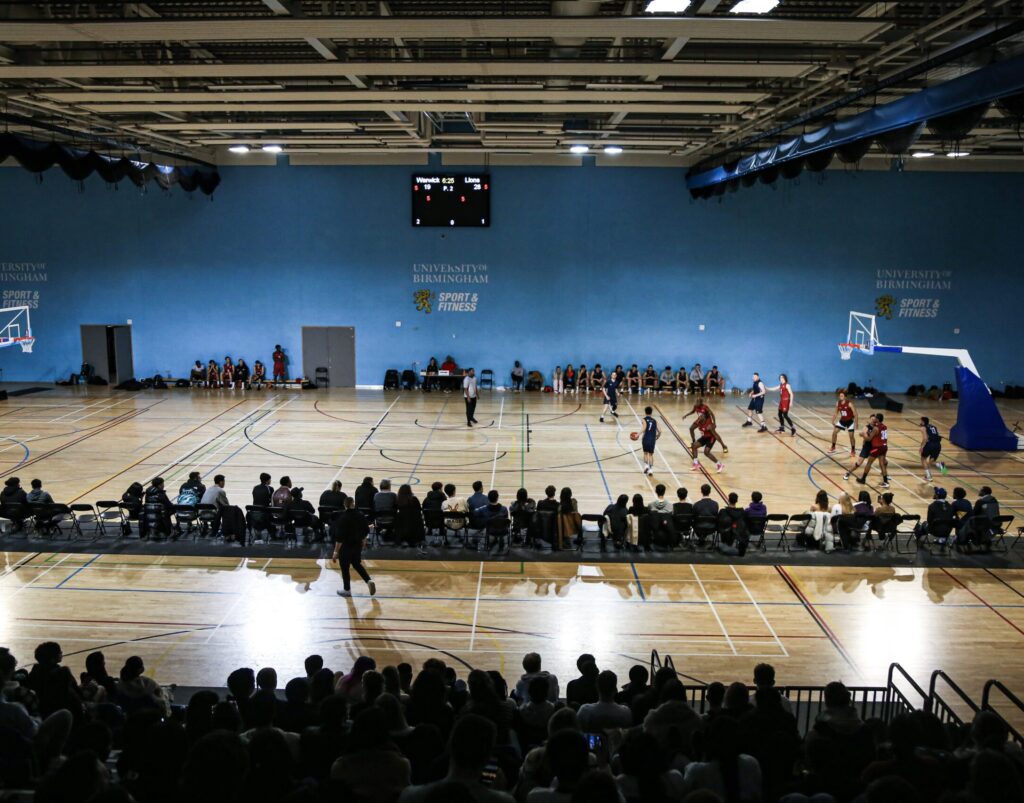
534,380
187,496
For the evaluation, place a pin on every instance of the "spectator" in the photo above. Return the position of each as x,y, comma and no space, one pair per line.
732,525
372,769
365,494
435,497
493,509
537,708
216,495
770,735
737,700
283,494
638,676
312,665
197,376
454,504
517,377
660,504
730,774
241,687
643,702
531,671
764,678
427,703
646,775
570,523
605,713
681,506
297,713
616,527
259,374
242,374
408,518
333,496
673,721
477,500
714,696
263,494
584,688
192,490
385,500
568,757
156,495
818,533
548,503
757,507
37,495
705,506
96,671
350,686
885,507
136,691
13,494
469,751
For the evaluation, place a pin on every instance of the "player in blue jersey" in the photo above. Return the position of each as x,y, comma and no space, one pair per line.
650,436
611,395
931,447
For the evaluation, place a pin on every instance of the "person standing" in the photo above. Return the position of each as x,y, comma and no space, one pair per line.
931,448
611,396
756,404
651,434
865,449
844,418
469,393
785,402
278,358
349,533
879,449
708,436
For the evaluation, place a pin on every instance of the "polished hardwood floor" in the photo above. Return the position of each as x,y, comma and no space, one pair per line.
194,619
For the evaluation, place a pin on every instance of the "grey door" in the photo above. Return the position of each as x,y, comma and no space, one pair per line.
94,349
123,367
333,348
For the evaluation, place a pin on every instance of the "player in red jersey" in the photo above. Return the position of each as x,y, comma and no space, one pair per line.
786,396
879,448
845,419
700,409
708,436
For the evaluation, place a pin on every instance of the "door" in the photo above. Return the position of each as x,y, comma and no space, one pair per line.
108,349
333,348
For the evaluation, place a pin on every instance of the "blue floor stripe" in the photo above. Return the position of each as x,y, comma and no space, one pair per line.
76,571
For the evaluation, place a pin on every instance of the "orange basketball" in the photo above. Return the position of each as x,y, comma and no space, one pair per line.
634,436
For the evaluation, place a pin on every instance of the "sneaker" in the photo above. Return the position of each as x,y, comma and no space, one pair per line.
615,414
883,484
344,592
601,419
724,450
781,430
792,432
861,481
721,467
846,475
373,588
927,476
748,423
763,428
832,450
696,466
852,453
942,468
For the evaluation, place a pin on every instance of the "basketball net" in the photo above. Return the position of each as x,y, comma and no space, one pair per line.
846,349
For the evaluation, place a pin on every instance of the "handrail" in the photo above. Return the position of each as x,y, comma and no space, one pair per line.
986,705
655,663
938,706
895,694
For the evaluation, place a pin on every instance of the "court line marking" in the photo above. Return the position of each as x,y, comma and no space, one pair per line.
714,610
82,409
818,619
494,464
98,410
235,604
18,564
31,583
476,606
759,611
426,443
597,458
980,599
501,412
84,566
658,451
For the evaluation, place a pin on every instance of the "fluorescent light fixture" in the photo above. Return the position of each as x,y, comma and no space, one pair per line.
922,154
272,149
612,150
667,6
579,149
958,154
623,86
240,87
239,149
753,6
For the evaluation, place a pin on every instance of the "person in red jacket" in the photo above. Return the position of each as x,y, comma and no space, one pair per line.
278,357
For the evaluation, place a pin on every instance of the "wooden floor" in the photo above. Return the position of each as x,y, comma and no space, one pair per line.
195,619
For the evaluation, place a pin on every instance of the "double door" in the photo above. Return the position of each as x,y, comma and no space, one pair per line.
333,348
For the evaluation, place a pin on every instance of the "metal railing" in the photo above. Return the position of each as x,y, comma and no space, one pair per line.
1007,696
943,710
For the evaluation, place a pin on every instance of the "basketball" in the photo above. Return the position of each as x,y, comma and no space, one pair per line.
634,436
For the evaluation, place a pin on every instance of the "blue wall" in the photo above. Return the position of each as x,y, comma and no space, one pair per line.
608,264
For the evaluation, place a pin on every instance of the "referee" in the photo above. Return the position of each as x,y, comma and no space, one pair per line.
469,391
349,531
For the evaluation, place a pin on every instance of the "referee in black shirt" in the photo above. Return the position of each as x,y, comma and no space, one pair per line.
349,531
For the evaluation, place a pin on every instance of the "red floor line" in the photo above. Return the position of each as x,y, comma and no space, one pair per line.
980,599
818,618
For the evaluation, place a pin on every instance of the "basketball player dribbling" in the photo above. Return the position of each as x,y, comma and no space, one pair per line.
700,409
785,402
879,449
845,419
865,446
708,436
651,434
756,405
611,396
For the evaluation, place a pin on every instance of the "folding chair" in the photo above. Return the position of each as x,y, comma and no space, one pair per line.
887,527
300,519
682,523
456,523
109,510
909,525
258,519
207,517
705,527
941,533
433,524
486,379
546,523
57,514
1000,527
775,524
850,528
156,519
796,525
328,513
17,512
186,515
384,522
755,528
663,534
592,518
279,520
499,528
86,510
522,525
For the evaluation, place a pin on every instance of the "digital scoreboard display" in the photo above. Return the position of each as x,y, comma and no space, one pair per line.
451,200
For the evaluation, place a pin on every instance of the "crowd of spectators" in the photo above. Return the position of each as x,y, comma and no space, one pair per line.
388,734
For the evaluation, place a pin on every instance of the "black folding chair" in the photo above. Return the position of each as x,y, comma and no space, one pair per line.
775,524
156,521
300,519
887,526
433,525
84,512
592,518
682,523
705,527
940,532
850,528
186,516
498,528
456,523
1000,528
17,512
522,525
258,518
279,519
795,527
109,511
328,513
207,517
545,528
384,522
909,525
55,514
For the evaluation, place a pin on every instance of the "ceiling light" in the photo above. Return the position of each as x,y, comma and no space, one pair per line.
272,148
239,149
958,154
922,154
667,6
753,6
240,87
579,149
612,150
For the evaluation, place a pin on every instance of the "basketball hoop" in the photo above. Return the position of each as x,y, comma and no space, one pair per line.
846,349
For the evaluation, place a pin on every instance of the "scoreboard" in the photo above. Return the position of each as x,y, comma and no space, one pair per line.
451,200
